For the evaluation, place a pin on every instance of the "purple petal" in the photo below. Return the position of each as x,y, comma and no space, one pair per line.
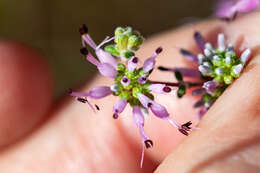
144,100
86,38
189,56
105,57
150,62
132,64
205,69
237,69
187,72
210,86
202,111
91,59
99,92
245,56
246,6
198,91
159,88
159,110
81,95
221,42
125,81
139,121
107,70
142,79
119,106
199,40
228,9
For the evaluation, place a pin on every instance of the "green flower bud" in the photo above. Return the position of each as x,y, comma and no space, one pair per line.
119,31
121,41
136,91
128,54
228,79
121,67
111,49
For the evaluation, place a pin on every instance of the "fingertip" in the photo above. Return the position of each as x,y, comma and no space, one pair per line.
26,90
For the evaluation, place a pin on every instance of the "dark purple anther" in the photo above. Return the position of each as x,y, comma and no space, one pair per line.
83,29
159,50
148,143
84,51
199,40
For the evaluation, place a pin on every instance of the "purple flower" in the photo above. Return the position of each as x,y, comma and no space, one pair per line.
210,86
245,56
228,9
132,64
125,81
103,56
150,62
95,93
189,56
159,88
119,107
107,70
139,121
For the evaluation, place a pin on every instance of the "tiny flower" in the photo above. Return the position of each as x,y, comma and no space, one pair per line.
107,70
159,88
132,64
150,62
119,107
245,56
131,84
228,9
210,86
219,67
125,81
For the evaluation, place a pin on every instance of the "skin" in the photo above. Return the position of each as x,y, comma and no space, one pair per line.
40,136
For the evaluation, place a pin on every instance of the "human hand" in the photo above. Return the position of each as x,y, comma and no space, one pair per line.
73,139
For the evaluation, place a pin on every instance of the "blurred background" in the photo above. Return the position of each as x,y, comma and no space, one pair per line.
51,26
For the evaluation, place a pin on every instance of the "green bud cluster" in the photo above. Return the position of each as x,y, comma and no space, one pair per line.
126,41
222,66
130,92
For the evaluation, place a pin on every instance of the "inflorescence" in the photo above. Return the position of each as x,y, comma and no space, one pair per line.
218,67
131,84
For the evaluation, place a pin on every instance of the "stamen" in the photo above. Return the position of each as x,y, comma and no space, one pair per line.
82,100
83,29
159,50
167,89
163,68
106,40
97,107
148,143
84,51
115,115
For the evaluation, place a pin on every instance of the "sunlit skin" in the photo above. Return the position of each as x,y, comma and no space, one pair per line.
68,137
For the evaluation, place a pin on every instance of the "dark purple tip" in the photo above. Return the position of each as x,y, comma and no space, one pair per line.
83,29
82,100
69,91
97,107
185,52
125,80
198,104
159,50
84,51
186,126
167,89
163,68
149,105
135,60
148,143
115,115
199,40
184,132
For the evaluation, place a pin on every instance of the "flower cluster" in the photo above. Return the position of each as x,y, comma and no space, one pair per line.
218,67
131,84
228,9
